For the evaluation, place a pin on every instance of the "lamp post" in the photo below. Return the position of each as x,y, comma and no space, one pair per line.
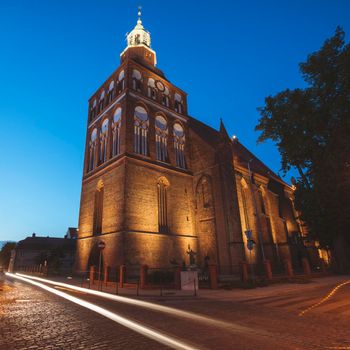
256,212
101,245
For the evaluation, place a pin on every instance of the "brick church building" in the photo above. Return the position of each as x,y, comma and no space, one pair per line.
158,182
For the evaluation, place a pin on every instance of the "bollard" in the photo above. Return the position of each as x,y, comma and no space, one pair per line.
105,276
244,271
143,276
116,287
306,266
268,270
92,275
213,276
288,267
121,275
194,287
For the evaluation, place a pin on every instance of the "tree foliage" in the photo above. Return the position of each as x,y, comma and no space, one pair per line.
5,254
311,128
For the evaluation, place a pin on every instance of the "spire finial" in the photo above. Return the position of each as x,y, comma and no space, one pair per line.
139,14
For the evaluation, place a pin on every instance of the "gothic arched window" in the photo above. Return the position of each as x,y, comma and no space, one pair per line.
179,145
120,86
136,80
162,205
92,149
104,141
111,91
141,131
116,131
98,209
161,126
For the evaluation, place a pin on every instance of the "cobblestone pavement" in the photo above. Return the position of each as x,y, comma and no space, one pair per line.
32,317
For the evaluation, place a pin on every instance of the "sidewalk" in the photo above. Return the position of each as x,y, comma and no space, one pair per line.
274,289
218,294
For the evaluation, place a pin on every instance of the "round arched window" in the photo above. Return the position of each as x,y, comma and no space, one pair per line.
161,122
94,135
178,130
136,74
141,113
121,75
117,115
151,82
104,126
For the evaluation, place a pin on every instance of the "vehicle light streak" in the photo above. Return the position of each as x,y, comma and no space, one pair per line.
160,308
327,297
148,332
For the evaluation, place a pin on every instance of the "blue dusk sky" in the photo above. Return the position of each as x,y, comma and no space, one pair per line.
227,55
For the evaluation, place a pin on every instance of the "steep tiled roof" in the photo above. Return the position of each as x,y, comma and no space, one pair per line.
241,154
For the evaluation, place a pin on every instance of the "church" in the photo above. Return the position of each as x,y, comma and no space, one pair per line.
158,183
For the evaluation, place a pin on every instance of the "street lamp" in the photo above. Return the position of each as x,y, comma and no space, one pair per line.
101,245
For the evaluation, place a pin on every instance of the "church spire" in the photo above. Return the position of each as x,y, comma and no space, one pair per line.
139,35
139,44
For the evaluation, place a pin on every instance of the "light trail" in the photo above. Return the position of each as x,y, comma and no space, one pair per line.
152,306
327,297
146,331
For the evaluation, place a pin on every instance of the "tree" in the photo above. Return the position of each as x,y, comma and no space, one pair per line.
5,254
311,128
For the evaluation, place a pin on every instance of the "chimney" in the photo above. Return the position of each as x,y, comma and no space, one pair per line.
33,235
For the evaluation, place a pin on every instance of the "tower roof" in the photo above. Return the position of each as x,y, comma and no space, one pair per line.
139,35
139,44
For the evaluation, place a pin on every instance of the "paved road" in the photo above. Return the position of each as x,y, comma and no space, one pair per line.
31,318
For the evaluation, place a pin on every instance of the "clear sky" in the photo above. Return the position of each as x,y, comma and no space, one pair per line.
227,55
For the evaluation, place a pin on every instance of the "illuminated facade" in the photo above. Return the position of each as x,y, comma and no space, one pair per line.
157,180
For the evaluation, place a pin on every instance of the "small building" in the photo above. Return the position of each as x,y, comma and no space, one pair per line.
57,253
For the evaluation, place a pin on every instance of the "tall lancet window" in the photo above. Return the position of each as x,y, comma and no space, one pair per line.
136,80
116,131
98,209
162,205
179,145
111,91
104,141
141,131
161,126
92,150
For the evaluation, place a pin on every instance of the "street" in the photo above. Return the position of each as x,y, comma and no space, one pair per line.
263,318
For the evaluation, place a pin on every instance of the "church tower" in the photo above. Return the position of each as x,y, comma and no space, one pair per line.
137,181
